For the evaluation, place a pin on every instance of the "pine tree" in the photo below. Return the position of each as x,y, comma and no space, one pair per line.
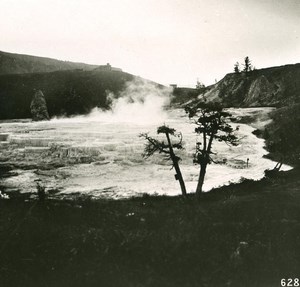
237,68
212,124
247,65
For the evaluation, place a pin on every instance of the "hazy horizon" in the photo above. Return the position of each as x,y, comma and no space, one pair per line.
167,42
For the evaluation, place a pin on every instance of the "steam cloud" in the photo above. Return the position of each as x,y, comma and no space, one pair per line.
141,102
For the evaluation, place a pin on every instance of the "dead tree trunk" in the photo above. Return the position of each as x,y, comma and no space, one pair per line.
175,159
167,149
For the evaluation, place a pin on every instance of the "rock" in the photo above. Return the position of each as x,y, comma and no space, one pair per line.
38,107
261,91
5,167
85,159
3,137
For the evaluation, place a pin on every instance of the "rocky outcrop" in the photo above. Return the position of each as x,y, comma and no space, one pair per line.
277,86
38,107
262,91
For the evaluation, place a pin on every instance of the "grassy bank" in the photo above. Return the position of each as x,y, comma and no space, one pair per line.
242,235
282,134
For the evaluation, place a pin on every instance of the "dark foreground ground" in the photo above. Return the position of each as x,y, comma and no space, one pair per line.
242,235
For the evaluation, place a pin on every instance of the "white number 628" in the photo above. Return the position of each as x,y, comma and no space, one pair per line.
290,282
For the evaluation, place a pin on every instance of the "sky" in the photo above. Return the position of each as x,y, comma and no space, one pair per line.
167,41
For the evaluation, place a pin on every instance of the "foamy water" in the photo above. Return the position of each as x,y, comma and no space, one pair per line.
118,169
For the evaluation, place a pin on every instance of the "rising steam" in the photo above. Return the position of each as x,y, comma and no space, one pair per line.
141,102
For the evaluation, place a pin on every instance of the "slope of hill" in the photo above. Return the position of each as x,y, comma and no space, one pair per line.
283,134
276,86
66,92
19,64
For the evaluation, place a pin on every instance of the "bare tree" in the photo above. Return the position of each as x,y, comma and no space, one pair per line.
212,124
167,149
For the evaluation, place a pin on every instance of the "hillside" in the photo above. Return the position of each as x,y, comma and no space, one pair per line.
275,86
19,64
183,95
66,92
282,134
271,87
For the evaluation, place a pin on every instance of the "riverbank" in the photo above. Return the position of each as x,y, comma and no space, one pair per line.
241,235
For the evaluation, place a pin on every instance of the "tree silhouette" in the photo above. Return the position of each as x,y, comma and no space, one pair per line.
247,65
167,149
200,85
212,124
237,68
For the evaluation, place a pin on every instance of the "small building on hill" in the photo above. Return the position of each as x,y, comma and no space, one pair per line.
107,68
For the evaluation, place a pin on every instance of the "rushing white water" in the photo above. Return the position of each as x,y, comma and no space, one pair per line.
118,169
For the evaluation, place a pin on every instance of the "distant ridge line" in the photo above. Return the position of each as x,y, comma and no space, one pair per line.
14,63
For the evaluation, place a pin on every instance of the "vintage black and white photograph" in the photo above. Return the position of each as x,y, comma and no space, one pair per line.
148,143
